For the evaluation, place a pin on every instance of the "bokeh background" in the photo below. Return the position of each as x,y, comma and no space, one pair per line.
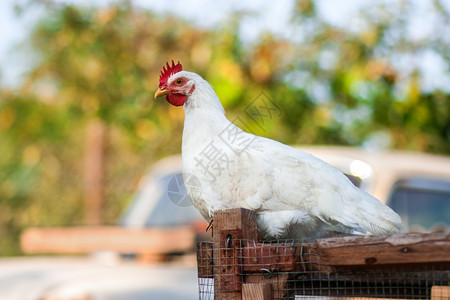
79,125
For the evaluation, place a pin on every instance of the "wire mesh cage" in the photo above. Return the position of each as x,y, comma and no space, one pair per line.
234,266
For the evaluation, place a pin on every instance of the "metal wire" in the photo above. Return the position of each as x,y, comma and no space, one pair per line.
308,278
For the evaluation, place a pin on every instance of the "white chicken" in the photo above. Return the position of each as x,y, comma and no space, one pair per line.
294,194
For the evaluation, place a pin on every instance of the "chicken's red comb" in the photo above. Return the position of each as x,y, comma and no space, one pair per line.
165,73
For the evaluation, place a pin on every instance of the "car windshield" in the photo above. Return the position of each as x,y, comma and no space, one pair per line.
422,203
173,206
161,202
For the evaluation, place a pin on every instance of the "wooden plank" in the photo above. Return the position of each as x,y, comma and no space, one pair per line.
256,291
255,258
307,257
278,282
230,227
93,239
271,257
393,249
440,292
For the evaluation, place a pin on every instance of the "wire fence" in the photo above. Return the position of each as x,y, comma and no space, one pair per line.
237,265
295,270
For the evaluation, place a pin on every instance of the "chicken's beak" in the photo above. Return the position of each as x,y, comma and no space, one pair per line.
161,92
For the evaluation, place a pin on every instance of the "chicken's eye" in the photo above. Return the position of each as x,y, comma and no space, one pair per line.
179,81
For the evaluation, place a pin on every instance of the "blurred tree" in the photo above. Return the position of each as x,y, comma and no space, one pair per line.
358,81
105,63
99,67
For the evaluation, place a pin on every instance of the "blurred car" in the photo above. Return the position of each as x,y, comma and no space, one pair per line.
415,185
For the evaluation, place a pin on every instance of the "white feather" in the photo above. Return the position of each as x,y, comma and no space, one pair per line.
295,194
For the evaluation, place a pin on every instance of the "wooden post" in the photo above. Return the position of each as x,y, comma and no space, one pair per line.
231,227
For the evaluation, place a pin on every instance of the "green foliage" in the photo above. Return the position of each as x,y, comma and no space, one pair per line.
333,86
